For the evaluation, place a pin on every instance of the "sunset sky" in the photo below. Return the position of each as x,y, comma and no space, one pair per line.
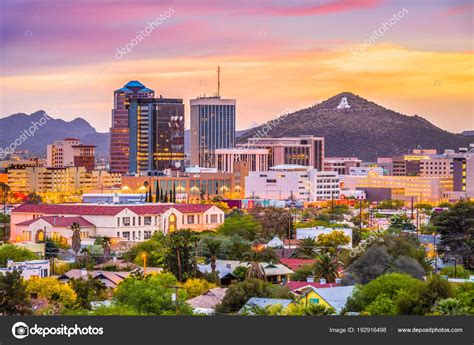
275,56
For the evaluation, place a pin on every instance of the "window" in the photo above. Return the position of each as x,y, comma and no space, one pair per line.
191,219
146,235
118,222
147,221
126,234
139,221
133,220
126,221
213,218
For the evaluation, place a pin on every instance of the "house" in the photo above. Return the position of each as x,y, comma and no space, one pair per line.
333,297
298,287
134,222
275,242
206,303
262,303
29,269
295,264
274,273
122,265
108,278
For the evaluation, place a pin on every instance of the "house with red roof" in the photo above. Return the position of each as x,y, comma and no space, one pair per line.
134,222
295,264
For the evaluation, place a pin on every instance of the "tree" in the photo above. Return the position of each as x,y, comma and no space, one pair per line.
76,237
450,306
195,287
157,192
390,205
408,265
421,299
179,258
237,248
302,273
274,221
15,253
14,299
106,246
244,226
33,198
53,290
306,249
213,248
87,291
154,248
326,266
238,294
374,296
456,229
332,241
151,295
373,263
254,268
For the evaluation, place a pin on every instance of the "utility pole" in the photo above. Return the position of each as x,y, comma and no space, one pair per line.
218,81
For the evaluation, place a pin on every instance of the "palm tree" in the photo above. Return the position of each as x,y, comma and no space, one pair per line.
213,247
106,246
254,269
5,191
326,266
307,248
76,237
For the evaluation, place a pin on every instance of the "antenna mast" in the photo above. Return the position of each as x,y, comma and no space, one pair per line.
218,81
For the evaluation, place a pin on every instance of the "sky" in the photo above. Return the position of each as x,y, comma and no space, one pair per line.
67,57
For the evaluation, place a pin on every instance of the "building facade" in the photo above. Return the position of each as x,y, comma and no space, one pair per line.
212,127
137,222
156,132
341,165
293,182
422,189
70,152
257,159
305,150
120,130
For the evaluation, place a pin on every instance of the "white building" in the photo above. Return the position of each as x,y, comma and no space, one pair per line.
353,194
29,269
288,181
257,159
137,222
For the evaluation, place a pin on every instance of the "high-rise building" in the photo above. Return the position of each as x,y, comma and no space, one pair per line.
156,134
70,152
304,150
120,132
147,133
212,127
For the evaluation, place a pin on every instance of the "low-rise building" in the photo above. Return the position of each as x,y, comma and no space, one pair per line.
29,269
136,222
341,165
293,182
257,159
207,302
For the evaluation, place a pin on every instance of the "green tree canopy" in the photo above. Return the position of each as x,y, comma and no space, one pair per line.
15,253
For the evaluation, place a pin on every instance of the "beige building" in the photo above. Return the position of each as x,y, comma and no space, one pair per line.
60,180
423,189
257,159
436,167
70,152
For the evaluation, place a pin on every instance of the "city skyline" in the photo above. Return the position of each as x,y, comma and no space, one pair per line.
285,57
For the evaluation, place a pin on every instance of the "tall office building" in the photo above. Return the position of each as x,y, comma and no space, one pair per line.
70,152
119,132
147,133
212,127
156,134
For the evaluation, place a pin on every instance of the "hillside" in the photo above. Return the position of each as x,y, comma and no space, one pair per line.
365,129
12,127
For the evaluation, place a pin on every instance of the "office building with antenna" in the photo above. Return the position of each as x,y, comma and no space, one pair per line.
212,127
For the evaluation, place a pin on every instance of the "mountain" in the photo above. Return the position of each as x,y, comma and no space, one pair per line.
363,129
47,132
468,133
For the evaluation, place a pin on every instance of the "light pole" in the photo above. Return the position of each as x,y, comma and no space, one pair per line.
144,263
